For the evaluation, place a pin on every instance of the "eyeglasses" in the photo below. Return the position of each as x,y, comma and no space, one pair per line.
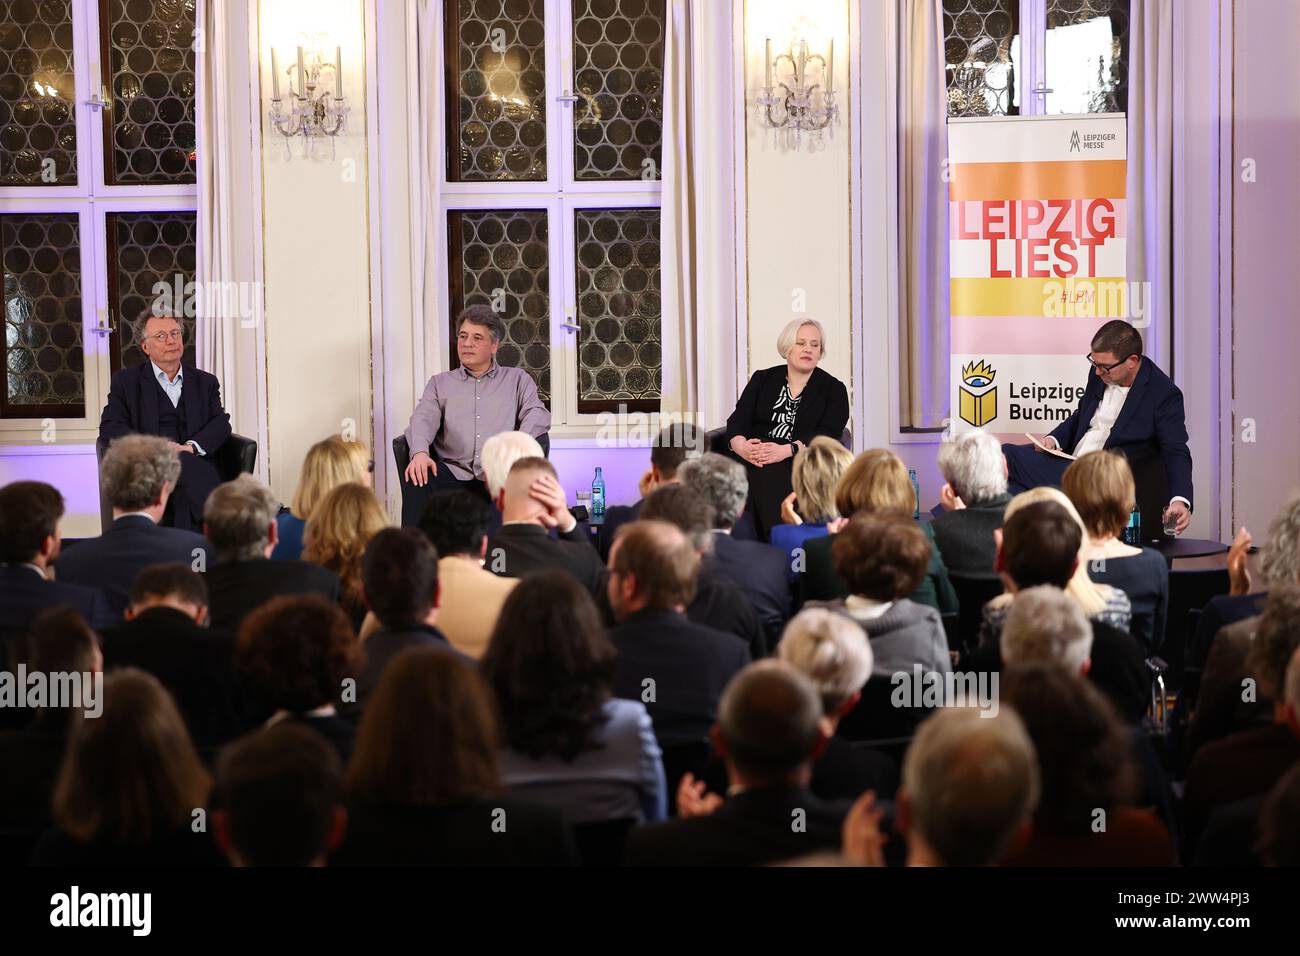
1106,368
175,335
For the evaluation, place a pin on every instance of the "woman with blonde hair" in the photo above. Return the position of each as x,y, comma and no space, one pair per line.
328,464
340,528
876,481
810,508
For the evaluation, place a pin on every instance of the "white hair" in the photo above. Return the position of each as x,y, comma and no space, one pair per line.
503,450
974,466
785,341
1046,625
829,648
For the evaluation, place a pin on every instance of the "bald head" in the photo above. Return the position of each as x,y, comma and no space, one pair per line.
769,723
652,564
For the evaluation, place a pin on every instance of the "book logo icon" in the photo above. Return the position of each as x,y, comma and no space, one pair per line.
977,395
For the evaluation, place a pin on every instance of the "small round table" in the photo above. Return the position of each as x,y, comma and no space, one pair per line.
1173,548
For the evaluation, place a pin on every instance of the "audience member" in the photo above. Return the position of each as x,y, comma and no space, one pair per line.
328,464
137,475
296,653
568,743
500,452
279,794
424,786
337,534
974,496
1100,485
1279,825
676,667
769,733
130,786
810,508
472,597
1045,626
239,520
671,448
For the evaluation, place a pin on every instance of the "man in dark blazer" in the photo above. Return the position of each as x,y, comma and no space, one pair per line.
769,731
532,503
1129,406
30,512
181,403
165,634
974,497
672,447
676,667
239,520
137,473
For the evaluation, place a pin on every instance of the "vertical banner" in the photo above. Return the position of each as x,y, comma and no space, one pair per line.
1036,225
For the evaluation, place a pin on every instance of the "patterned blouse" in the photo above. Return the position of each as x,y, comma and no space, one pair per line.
783,414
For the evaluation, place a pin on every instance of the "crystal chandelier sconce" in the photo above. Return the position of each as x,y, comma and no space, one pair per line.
798,94
313,111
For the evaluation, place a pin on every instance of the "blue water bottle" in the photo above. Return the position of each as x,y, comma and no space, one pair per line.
916,494
598,496
1133,533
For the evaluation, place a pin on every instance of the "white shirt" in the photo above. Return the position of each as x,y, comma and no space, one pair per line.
865,609
173,389
1103,420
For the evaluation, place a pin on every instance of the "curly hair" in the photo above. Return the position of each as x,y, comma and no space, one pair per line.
1280,561
339,530
135,468
1084,752
1276,638
551,666
881,555
296,651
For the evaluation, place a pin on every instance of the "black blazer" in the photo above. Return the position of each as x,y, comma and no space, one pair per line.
387,642
131,543
690,665
24,594
615,517
750,829
762,572
519,549
237,588
1151,422
965,537
823,406
722,604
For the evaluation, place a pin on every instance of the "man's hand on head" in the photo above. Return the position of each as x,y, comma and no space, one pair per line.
547,491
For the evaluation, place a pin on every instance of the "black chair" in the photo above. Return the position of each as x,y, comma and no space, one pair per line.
602,843
237,456
1189,591
973,592
1152,487
413,503
876,718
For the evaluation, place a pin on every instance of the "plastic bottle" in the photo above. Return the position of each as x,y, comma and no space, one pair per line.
598,496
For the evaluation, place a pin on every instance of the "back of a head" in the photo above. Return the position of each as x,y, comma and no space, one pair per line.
500,452
1084,750
1280,556
519,481
456,522
683,508
881,555
674,445
135,468
61,642
400,575
340,530
971,783
328,464
1100,485
30,512
296,651
877,480
769,719
157,582
238,516
1040,544
721,482
1276,639
830,649
279,789
973,465
427,737
1045,626
131,775
662,560
815,474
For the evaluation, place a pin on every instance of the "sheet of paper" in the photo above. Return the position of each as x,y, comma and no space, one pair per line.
1049,449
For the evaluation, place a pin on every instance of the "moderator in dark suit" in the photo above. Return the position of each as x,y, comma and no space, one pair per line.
761,571
965,537
518,549
823,410
690,665
1151,424
131,543
137,404
25,593
237,588
750,829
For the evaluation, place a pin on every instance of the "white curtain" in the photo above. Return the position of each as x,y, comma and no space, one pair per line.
428,254
698,225
1150,166
922,216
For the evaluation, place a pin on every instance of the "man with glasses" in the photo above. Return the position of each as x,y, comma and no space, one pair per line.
1129,406
161,396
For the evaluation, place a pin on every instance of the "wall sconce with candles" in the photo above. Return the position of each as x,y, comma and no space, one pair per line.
802,105
314,113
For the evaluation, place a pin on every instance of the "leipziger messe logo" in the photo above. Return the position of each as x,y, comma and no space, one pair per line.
1074,141
978,398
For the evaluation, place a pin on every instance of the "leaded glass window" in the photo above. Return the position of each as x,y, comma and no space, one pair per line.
978,53
38,122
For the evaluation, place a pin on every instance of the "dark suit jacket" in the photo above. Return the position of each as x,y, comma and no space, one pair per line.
24,594
195,664
762,572
720,603
689,664
387,642
750,829
236,588
519,549
1151,423
131,543
615,518
30,760
823,406
133,409
965,537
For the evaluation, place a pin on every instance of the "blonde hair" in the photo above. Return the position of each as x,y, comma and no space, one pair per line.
1091,597
785,341
815,474
877,479
339,530
328,464
1100,484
